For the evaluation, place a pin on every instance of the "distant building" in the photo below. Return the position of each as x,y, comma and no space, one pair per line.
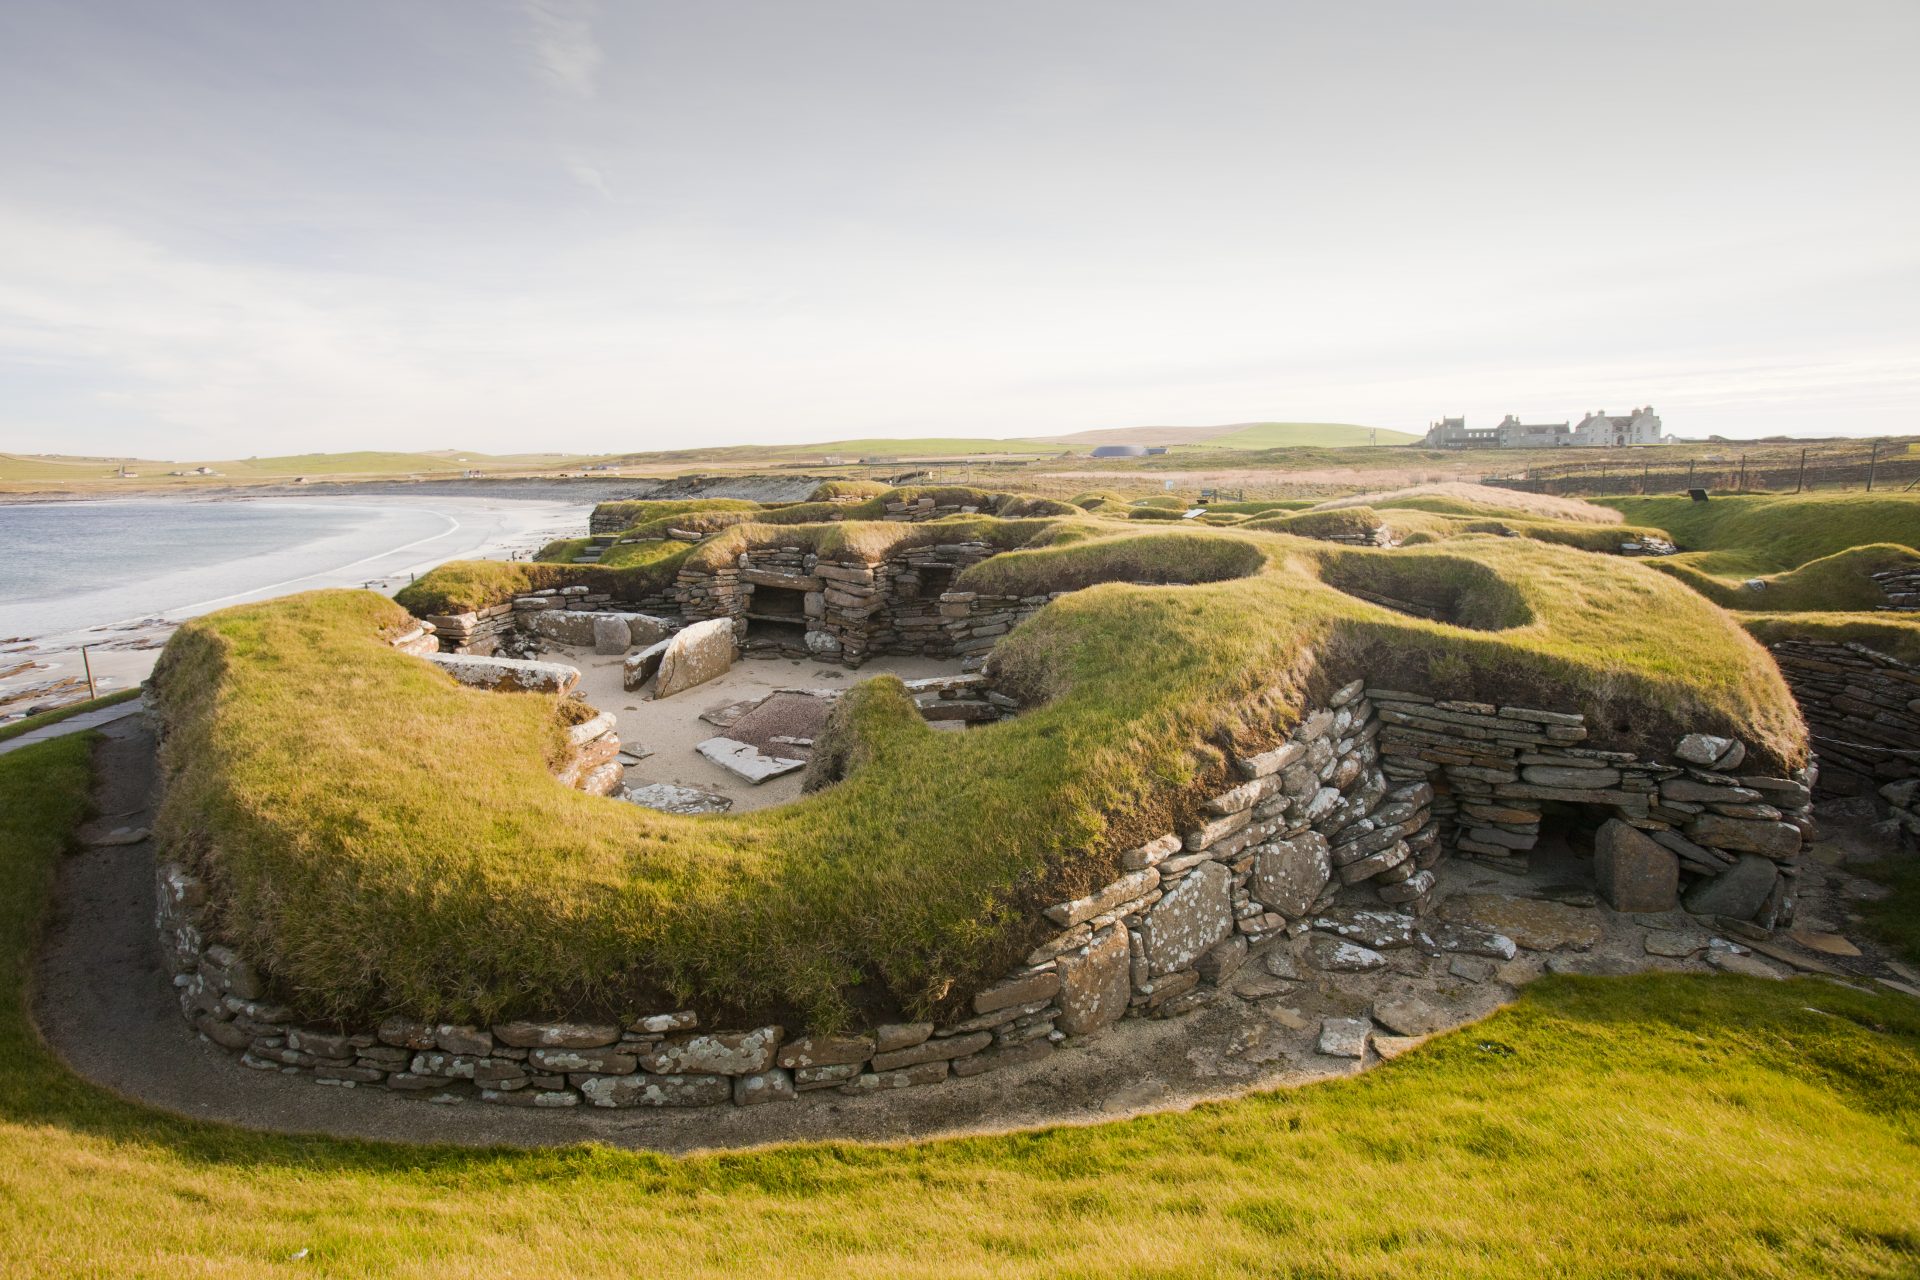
1642,426
1120,451
1596,430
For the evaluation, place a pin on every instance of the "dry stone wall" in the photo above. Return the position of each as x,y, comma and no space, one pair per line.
1902,587
1863,708
1730,838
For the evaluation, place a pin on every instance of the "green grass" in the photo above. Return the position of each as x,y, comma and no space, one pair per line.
45,718
832,490
461,586
1896,917
1813,550
639,511
1358,522
1683,1127
371,876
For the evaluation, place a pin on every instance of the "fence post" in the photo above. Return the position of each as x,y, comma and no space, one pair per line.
1742,487
1801,479
1872,459
1689,473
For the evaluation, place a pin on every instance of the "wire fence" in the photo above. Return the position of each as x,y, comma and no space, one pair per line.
1876,467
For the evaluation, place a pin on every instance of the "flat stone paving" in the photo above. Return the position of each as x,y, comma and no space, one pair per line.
76,724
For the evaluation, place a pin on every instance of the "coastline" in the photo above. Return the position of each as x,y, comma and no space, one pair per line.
49,665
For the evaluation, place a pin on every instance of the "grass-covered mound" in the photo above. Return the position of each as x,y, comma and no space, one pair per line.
1455,498
1418,526
847,490
461,586
1008,506
1598,1127
1814,550
640,510
315,779
1895,634
1345,522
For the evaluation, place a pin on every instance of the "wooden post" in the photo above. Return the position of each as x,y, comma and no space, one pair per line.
1689,473
1743,474
87,661
1801,479
1645,467
1872,459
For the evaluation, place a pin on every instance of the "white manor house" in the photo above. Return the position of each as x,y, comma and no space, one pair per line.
1642,426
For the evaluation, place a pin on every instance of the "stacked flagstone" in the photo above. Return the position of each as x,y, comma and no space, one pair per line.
1733,836
1863,707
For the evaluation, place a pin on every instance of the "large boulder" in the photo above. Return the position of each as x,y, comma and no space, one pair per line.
695,656
1632,872
1738,892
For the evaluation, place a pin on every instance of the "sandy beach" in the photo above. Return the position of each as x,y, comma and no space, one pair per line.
376,541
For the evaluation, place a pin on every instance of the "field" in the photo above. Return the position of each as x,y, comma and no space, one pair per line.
1600,1127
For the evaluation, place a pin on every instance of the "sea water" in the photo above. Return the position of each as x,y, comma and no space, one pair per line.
69,567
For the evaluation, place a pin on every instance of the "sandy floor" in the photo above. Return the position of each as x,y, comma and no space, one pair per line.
672,728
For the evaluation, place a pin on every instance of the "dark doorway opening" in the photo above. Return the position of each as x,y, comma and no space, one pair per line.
935,580
777,604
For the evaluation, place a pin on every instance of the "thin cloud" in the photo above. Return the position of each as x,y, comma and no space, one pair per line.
564,44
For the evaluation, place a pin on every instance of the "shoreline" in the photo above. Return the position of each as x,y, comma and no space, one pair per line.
46,669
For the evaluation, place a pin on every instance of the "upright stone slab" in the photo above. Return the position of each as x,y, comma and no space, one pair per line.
506,675
1194,914
610,634
1094,984
695,656
1632,872
1289,874
639,667
1738,892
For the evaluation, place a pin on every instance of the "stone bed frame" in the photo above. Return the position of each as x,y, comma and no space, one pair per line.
1373,789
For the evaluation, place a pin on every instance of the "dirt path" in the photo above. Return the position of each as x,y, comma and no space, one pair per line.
105,1004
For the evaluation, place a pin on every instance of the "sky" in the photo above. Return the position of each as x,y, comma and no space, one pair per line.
260,227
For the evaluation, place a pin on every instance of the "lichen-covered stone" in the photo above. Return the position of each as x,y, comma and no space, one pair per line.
733,1053
556,1035
695,656
1095,983
692,1090
825,1050
1190,918
761,1087
1289,874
